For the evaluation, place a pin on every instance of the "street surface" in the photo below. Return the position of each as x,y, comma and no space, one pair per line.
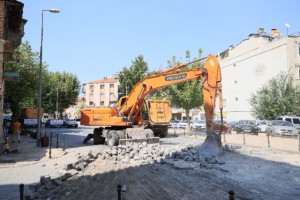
253,170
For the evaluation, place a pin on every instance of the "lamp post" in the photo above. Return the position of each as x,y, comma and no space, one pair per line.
56,112
38,136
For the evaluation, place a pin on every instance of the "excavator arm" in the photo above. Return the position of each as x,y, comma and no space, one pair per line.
211,80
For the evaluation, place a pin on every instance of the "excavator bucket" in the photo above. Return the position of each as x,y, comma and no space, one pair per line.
212,86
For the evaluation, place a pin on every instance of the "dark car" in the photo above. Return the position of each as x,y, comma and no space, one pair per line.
247,126
69,123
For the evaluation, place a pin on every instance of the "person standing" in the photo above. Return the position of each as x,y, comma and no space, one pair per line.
16,130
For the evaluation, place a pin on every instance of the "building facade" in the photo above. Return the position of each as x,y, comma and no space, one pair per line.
249,65
11,33
101,93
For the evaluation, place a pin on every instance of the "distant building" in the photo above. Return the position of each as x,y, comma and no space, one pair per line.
73,112
249,65
101,93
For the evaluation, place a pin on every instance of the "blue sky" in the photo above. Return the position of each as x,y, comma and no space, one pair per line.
95,39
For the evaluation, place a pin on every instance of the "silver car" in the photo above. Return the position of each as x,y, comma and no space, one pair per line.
199,125
282,128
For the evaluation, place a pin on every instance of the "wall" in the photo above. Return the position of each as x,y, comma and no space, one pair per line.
247,68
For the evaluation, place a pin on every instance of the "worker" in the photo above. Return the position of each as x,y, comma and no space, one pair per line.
16,130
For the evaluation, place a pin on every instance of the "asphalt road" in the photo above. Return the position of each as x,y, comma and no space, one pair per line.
34,162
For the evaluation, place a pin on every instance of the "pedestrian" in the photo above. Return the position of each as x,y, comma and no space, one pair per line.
16,130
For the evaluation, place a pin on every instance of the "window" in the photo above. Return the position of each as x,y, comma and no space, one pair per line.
101,86
296,121
111,85
91,103
91,87
91,94
101,103
299,49
288,119
236,99
297,72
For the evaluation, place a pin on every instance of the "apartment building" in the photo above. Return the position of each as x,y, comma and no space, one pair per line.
101,93
249,65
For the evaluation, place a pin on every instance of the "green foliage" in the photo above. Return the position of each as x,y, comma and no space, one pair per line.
187,95
24,91
277,97
62,88
129,77
20,92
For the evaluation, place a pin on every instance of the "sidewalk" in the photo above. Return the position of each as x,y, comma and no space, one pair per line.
28,152
32,162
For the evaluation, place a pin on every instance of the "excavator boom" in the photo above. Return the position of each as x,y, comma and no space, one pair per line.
129,108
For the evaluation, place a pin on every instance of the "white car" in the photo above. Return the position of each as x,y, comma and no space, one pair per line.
182,124
282,128
174,124
262,125
199,125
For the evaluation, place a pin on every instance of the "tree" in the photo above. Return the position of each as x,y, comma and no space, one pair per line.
187,95
277,97
21,92
136,72
61,90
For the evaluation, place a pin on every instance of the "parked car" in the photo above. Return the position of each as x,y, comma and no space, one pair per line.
247,126
226,124
282,128
54,123
69,123
199,125
174,124
262,125
182,124
295,120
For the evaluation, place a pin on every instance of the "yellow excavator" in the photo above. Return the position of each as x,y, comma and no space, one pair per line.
125,123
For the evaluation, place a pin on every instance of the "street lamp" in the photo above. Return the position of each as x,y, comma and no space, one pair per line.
38,136
56,112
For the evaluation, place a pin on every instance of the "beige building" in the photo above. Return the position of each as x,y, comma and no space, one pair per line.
101,93
249,65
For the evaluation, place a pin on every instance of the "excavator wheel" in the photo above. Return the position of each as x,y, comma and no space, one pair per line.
164,132
112,138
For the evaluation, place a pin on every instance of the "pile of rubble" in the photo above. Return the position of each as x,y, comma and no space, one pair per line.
131,152
47,183
142,152
154,153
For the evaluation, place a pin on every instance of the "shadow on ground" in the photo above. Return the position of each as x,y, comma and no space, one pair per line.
249,177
